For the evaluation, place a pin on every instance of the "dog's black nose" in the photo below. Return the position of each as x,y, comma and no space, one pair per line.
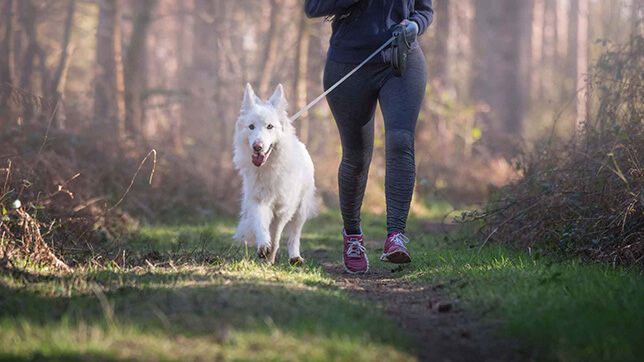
258,146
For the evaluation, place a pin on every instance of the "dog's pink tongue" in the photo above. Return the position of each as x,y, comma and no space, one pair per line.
258,158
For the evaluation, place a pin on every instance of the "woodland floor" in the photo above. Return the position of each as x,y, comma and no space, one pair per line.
185,292
441,328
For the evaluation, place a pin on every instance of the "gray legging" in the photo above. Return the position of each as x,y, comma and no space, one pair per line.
353,105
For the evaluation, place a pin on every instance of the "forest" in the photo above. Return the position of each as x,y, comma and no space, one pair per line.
119,196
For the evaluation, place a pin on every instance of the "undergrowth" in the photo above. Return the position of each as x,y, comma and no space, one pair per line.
585,196
66,198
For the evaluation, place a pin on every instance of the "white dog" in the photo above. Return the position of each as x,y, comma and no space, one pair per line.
277,172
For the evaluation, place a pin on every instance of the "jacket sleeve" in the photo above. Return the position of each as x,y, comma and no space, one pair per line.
317,8
423,15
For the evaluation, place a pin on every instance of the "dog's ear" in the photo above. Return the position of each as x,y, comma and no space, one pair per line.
250,99
277,100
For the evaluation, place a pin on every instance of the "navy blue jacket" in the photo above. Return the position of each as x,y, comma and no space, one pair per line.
361,26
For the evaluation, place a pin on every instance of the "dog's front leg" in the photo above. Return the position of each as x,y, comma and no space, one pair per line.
276,235
295,232
260,219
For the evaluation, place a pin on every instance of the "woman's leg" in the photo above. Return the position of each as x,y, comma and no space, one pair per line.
353,105
400,101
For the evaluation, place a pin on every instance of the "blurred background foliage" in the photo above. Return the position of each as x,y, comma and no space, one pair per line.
90,86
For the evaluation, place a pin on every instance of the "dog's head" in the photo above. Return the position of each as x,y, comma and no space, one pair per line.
261,126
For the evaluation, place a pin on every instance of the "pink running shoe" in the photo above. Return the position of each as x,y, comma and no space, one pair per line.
354,257
395,250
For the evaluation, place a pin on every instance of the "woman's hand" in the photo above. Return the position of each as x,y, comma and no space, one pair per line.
411,30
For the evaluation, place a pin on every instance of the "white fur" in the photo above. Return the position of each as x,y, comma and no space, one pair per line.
279,195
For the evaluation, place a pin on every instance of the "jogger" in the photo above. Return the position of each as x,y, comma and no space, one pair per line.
353,105
360,28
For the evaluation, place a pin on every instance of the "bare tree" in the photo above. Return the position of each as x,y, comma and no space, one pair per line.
579,14
561,37
135,67
549,50
109,102
202,75
29,20
498,70
270,50
440,50
7,47
637,7
301,74
58,81
57,87
183,71
536,50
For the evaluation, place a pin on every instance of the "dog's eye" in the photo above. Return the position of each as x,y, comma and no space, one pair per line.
252,126
270,126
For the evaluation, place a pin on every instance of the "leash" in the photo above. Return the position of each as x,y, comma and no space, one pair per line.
316,100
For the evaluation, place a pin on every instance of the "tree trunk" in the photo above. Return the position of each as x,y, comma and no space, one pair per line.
203,74
135,69
498,80
549,51
8,48
57,84
562,46
182,78
301,75
636,17
270,51
29,16
109,103
57,88
7,61
579,11
440,53
536,51
17,47
26,72
571,63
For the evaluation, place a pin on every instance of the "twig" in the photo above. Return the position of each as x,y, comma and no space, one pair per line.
61,188
154,166
6,180
503,223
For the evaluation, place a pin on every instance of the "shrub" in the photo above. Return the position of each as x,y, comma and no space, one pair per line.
585,196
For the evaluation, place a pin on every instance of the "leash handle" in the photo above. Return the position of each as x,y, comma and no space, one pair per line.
319,98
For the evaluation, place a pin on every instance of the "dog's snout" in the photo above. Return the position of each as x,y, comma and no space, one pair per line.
257,146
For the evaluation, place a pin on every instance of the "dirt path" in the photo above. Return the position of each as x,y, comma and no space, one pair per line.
442,328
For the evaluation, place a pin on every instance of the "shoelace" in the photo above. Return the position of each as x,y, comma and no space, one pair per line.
399,239
355,249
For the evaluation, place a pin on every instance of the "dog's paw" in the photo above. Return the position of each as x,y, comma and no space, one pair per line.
296,261
263,251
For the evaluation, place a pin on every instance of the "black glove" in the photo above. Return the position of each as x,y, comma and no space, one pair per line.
411,30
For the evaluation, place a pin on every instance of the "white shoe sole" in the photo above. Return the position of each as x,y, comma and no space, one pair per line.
356,272
402,259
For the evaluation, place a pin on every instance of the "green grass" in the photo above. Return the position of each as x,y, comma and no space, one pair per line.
203,297
228,307
561,309
237,310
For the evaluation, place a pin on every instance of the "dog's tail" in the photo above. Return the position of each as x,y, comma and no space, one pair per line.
312,207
